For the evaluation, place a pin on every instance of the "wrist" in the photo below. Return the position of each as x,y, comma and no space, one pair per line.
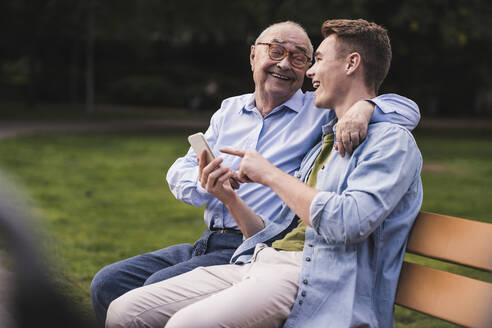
369,107
232,201
274,176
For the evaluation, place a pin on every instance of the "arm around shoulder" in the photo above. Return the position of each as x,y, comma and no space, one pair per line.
396,109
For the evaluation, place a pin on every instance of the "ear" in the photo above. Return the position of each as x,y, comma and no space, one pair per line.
352,62
252,58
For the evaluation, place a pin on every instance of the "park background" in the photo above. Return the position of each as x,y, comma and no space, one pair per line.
97,98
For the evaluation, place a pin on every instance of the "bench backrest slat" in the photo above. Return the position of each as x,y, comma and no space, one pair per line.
458,299
441,294
452,239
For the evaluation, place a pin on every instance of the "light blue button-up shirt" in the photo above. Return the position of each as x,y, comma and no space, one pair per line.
360,221
283,137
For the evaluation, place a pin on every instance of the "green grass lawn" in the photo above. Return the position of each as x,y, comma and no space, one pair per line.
103,197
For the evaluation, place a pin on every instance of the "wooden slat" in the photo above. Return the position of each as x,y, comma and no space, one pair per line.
452,239
444,295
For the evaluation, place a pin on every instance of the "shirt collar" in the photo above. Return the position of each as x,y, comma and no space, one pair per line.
294,103
330,127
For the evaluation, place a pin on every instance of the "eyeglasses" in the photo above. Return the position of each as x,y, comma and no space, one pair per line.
277,52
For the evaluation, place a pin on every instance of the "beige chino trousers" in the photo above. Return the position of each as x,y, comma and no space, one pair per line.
257,294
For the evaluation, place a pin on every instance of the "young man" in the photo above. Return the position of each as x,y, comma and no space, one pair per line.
267,297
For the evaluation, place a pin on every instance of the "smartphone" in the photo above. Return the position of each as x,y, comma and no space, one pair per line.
199,143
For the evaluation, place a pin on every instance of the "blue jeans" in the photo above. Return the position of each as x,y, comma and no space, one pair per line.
112,281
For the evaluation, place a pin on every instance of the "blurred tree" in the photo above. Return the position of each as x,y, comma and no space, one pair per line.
443,49
167,51
38,34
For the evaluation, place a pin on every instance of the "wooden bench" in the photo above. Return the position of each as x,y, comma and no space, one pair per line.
451,297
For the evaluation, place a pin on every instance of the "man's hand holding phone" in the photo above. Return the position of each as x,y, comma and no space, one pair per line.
207,158
216,179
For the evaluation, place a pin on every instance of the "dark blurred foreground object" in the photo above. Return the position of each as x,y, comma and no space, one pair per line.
35,300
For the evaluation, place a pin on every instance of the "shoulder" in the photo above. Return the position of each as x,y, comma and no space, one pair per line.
236,101
384,130
389,137
231,106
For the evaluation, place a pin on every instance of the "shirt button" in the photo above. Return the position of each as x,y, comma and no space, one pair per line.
308,259
300,302
303,293
305,281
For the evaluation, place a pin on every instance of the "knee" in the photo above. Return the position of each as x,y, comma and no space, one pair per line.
161,276
169,272
97,284
189,317
181,319
157,277
136,308
100,283
120,314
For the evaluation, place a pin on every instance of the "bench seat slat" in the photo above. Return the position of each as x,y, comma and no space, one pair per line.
444,295
452,239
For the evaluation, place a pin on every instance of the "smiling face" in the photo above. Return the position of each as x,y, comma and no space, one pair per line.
277,81
328,74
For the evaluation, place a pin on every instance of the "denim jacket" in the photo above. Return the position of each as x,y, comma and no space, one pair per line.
360,220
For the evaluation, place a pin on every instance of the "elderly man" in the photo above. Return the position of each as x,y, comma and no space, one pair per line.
279,121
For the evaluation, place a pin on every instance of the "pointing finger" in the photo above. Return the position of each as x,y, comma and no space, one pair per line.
236,152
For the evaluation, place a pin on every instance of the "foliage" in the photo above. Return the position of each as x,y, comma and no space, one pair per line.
441,48
144,90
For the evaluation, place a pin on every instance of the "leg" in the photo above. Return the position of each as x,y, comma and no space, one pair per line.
212,249
153,305
259,294
263,298
116,279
